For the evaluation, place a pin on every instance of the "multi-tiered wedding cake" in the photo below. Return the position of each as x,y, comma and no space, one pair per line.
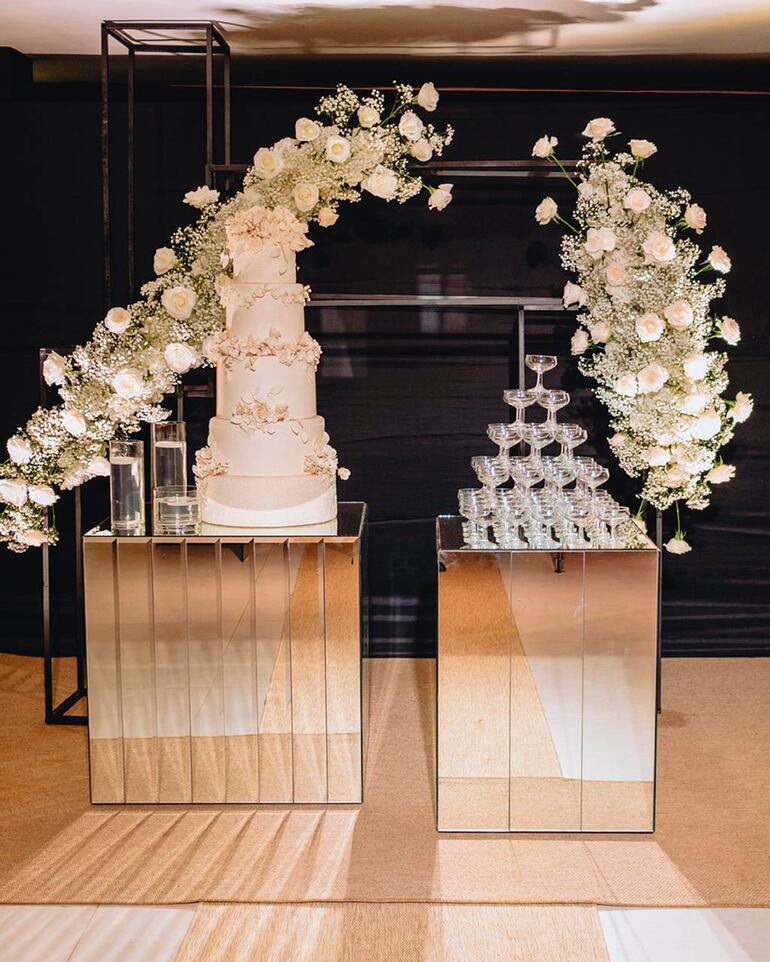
268,461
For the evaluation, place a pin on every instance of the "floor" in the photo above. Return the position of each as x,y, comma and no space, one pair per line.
52,933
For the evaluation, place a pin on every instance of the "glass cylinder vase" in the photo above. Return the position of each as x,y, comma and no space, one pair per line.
127,487
169,454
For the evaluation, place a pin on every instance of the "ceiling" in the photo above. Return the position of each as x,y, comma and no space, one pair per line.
416,27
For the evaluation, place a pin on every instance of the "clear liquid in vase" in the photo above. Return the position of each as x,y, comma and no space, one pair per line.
127,494
170,463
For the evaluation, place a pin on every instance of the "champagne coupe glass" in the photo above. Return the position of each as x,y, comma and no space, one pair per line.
540,363
617,517
520,399
546,517
569,437
492,472
474,505
537,436
511,514
553,401
580,514
505,436
593,476
581,465
526,474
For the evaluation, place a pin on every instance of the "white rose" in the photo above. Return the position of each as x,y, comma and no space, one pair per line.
19,449
117,319
637,200
658,248
579,342
268,163
305,196
99,467
421,150
179,301
693,403
721,473
128,382
649,327
599,128
307,129
695,217
427,97
201,197
544,146
600,332
13,491
696,366
42,494
656,457
410,125
441,197
642,148
729,330
574,295
586,190
73,422
719,260
163,260
616,274
180,357
54,369
679,315
707,425
599,241
337,149
382,182
343,473
33,537
368,116
676,476
327,217
626,385
545,211
741,410
677,546
652,378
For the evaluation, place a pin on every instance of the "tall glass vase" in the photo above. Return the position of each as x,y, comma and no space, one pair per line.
169,454
127,487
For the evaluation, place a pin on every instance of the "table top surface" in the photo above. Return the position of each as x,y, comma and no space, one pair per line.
347,526
449,537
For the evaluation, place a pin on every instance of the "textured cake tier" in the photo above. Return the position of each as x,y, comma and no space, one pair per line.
267,264
235,501
262,454
251,315
296,380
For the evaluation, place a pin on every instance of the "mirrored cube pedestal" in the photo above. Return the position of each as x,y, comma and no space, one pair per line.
226,666
546,688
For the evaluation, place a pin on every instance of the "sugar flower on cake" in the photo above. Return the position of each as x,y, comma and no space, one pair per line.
322,462
209,463
253,414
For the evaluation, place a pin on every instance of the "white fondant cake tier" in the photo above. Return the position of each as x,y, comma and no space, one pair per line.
297,383
266,455
234,501
268,264
267,313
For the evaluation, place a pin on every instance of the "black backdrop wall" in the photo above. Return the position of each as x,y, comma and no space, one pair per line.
407,394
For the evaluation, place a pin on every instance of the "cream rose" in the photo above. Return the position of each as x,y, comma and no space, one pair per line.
693,403
99,467
73,422
658,248
13,491
642,148
599,241
19,450
33,537
586,190
54,369
545,211
337,149
163,260
128,382
306,129
343,473
201,197
637,200
573,295
410,126
441,197
616,274
382,182
599,128
427,97
729,330
600,332
305,196
544,146
656,457
741,410
719,260
268,163
327,217
649,327
696,366
180,357
579,342
677,546
42,494
707,425
421,150
117,320
368,116
652,378
721,473
679,315
179,301
676,476
695,218
626,385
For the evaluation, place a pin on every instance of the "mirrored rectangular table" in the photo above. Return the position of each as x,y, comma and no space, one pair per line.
546,688
226,666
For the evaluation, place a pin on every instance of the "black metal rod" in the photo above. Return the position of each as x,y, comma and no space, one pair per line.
226,78
106,240
659,543
130,207
209,96
522,347
80,639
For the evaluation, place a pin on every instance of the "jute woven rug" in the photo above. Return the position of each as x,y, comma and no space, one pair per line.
712,846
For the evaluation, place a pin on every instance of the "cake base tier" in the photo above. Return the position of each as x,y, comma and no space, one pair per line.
278,502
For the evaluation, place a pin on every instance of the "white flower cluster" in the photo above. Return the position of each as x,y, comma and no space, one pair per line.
646,327
138,353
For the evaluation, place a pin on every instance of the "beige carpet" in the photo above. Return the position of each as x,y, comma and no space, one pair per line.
350,932
712,846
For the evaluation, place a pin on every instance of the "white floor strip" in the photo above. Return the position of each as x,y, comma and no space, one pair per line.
42,933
